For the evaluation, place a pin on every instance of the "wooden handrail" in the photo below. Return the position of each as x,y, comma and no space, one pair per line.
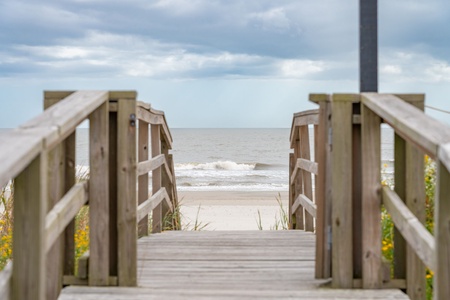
40,157
408,121
64,212
350,159
410,227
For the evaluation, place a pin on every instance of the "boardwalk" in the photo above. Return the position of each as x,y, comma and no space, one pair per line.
227,265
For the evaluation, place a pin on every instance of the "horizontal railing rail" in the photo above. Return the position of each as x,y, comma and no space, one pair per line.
39,157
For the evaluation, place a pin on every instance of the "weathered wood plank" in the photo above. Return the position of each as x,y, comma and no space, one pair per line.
308,117
442,230
371,200
303,164
292,164
67,114
305,153
126,192
147,206
19,148
409,121
323,259
98,196
30,205
342,250
298,188
303,201
410,227
155,117
156,177
228,265
55,190
415,201
64,212
143,151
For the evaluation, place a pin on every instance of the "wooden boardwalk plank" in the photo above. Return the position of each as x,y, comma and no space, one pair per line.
227,265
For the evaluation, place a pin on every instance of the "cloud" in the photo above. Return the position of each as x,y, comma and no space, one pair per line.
300,68
414,67
272,19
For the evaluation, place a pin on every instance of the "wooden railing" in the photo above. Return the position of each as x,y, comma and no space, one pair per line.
349,193
307,200
40,157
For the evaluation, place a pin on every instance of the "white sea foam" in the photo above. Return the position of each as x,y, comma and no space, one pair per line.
217,165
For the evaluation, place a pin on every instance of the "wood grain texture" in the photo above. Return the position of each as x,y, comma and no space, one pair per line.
342,251
442,233
418,237
67,114
126,192
55,190
305,153
147,206
99,196
19,148
320,138
143,151
30,206
303,164
303,201
298,189
409,121
156,177
292,164
415,201
64,211
227,265
371,200
308,117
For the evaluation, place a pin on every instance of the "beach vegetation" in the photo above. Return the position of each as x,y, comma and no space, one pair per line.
388,225
281,221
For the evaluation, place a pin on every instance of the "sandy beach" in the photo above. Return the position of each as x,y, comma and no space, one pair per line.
231,210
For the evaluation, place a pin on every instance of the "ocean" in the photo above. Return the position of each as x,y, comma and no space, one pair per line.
233,159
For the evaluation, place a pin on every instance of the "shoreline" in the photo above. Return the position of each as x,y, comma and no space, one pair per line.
231,210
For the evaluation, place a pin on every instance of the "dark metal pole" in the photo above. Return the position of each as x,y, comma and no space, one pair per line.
368,45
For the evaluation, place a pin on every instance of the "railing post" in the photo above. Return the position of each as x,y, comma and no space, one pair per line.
56,188
371,204
298,188
165,183
143,179
323,186
341,159
409,185
442,228
99,197
156,177
30,206
292,220
126,191
305,152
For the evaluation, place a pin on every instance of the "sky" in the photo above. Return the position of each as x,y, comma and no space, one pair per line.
217,63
